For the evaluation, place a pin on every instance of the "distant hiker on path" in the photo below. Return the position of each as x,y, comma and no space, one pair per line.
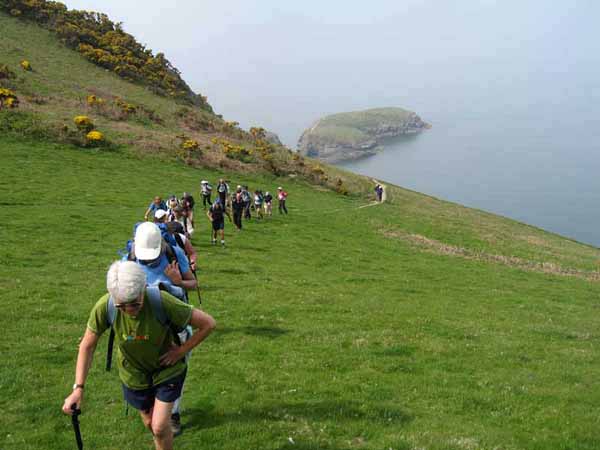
379,192
282,197
206,190
187,201
156,204
216,215
152,365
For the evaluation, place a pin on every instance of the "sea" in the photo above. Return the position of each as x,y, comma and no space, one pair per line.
535,163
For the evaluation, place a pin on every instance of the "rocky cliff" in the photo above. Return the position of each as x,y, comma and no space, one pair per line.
357,134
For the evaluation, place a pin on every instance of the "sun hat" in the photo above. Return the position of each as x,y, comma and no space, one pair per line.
148,241
159,214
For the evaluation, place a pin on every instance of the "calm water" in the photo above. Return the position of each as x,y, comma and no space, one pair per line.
538,168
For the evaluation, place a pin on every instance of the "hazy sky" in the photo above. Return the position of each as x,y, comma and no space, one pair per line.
282,65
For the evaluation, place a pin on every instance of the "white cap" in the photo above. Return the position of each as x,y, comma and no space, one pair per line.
204,182
159,214
148,241
280,188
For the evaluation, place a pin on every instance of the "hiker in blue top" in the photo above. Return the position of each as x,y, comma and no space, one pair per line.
172,270
156,204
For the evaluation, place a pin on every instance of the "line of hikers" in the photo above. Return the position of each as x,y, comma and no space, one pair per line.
147,310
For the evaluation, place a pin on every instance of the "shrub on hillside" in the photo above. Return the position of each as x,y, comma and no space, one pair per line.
26,65
8,99
94,138
83,123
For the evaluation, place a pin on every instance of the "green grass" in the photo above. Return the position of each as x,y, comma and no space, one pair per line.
355,128
366,119
334,329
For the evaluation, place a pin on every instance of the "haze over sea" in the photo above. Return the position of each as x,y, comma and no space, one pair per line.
512,88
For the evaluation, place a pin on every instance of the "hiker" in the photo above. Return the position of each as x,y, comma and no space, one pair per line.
247,202
282,197
237,205
172,203
160,216
182,217
206,191
268,204
152,366
222,190
187,201
176,230
258,201
379,192
167,268
216,215
156,204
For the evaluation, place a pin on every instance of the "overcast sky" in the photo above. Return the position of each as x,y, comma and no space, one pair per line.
282,65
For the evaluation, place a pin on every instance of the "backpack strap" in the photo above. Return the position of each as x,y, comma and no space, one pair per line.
156,304
111,311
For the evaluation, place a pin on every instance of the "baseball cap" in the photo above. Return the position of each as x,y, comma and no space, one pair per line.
159,214
148,241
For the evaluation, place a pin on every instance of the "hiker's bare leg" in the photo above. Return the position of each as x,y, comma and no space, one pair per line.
147,418
161,425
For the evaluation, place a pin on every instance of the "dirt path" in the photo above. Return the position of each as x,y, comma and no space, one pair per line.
383,196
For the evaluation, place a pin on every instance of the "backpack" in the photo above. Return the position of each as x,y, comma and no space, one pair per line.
159,313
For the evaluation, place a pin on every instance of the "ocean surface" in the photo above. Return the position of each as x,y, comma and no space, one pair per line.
536,163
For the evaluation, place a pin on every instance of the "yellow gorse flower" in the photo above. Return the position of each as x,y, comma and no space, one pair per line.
190,144
95,136
26,65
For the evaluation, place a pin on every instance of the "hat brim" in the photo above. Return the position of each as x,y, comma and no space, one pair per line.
147,254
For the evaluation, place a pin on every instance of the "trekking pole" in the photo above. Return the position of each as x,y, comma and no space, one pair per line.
75,422
109,350
197,287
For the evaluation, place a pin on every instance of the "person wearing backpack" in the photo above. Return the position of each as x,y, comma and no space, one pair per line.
216,214
237,205
247,199
222,190
166,267
152,366
176,230
206,190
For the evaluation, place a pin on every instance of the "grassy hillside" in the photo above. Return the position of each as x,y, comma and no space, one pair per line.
339,327
131,117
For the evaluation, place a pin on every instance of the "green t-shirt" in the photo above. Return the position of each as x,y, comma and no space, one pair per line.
141,340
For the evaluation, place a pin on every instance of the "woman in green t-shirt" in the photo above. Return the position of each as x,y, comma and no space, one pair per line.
151,366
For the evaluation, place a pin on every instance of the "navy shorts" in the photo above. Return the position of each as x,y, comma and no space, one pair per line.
168,391
218,225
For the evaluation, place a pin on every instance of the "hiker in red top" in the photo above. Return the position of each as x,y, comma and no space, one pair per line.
282,197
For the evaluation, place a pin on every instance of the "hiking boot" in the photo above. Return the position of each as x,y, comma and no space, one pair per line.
176,424
214,242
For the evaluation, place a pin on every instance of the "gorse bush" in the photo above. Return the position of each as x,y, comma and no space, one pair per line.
105,43
26,65
8,99
83,123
